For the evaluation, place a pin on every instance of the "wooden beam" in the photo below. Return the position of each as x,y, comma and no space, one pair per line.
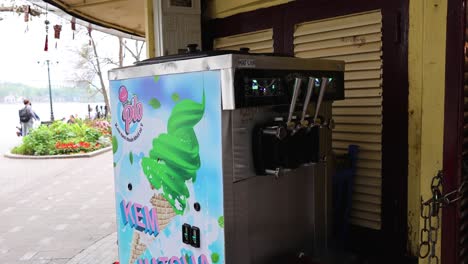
149,29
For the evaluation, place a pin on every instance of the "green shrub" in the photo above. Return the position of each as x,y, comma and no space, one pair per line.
21,150
62,138
39,142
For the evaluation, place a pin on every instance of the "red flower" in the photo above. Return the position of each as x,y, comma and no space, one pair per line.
71,147
84,144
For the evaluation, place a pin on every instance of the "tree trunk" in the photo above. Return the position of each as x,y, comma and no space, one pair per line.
99,73
120,51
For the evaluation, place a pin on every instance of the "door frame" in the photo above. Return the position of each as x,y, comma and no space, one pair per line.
453,124
282,18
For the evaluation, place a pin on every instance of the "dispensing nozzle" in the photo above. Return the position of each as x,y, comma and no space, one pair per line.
279,132
276,172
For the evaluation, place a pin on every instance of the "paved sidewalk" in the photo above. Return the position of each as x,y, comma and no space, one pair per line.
103,251
57,211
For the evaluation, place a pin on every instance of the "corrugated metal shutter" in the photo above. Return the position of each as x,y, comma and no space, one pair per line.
258,42
356,39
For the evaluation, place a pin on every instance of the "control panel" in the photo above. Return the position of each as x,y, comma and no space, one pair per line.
254,87
191,235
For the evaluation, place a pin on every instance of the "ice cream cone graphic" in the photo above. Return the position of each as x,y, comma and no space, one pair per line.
141,241
137,248
174,158
172,162
164,209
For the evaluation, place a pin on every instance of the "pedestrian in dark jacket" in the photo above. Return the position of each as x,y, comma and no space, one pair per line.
27,117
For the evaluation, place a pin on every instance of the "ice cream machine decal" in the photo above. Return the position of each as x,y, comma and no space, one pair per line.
168,175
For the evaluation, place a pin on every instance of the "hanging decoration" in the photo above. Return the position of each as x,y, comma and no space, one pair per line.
57,29
26,11
73,26
46,46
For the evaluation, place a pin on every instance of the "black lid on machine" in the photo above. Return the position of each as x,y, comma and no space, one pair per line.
192,52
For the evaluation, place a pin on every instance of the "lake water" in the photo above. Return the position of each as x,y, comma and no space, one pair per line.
10,118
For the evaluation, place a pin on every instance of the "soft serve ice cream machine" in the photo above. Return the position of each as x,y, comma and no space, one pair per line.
222,158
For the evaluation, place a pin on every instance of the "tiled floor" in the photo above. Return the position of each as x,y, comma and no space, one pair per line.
52,210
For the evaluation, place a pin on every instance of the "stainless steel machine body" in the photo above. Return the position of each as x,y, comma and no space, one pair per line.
269,211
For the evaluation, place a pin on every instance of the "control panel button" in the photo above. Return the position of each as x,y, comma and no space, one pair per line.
186,234
195,237
197,207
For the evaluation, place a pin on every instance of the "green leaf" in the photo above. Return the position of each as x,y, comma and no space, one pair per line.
155,103
156,78
175,97
131,158
221,221
215,257
115,164
115,144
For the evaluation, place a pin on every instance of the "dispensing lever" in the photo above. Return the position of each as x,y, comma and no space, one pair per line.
320,98
310,88
276,172
297,86
279,132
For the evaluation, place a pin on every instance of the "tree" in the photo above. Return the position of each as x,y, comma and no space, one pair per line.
21,9
89,67
136,54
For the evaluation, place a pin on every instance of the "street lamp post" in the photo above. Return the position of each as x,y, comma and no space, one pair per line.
50,93
48,62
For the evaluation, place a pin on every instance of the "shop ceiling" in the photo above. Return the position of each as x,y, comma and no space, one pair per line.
127,16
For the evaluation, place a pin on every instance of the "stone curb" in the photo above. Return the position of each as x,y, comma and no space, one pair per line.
72,156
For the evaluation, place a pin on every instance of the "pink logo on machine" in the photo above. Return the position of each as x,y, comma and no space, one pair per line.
132,113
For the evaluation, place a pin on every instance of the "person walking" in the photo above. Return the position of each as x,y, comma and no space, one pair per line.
27,116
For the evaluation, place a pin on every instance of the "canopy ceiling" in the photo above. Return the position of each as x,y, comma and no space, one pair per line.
127,16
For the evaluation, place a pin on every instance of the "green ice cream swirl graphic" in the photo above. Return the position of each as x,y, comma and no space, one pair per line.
174,158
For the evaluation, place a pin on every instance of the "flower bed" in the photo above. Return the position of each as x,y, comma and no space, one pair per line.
63,138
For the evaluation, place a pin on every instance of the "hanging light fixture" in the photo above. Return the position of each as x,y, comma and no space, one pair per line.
46,45
73,26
